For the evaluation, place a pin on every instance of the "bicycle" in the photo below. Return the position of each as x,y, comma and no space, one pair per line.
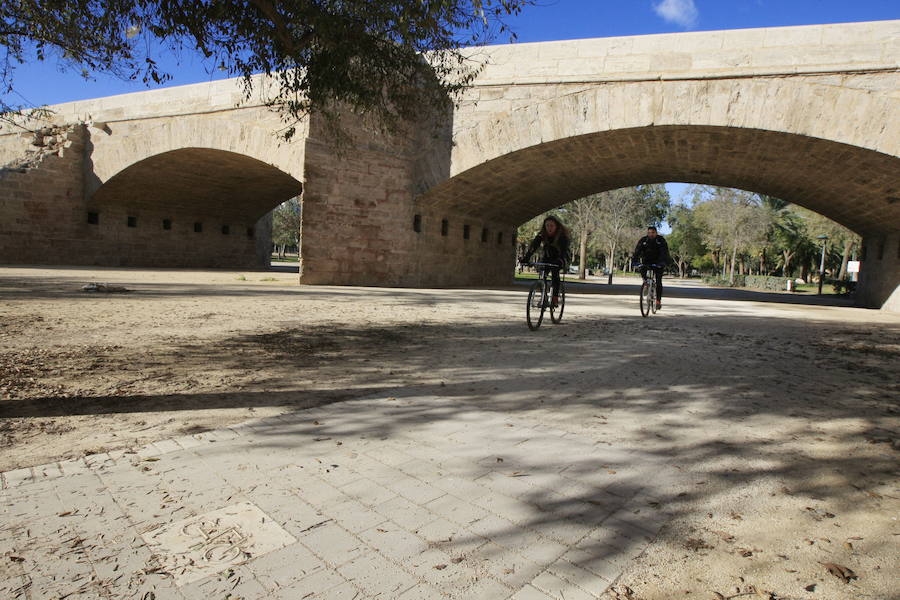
648,290
540,296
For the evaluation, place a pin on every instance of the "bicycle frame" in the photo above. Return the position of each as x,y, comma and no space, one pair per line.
540,294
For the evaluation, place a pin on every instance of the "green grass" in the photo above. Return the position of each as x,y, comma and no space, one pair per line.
813,288
288,258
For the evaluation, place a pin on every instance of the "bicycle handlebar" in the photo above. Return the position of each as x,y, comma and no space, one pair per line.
543,264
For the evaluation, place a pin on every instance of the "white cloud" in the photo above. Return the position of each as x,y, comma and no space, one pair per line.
680,12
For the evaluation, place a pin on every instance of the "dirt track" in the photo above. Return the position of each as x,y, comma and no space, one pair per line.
785,415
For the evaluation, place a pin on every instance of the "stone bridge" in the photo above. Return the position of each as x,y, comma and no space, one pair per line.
182,176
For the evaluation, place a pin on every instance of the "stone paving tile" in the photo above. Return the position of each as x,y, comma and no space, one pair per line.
530,593
579,576
456,509
236,582
504,565
323,585
408,515
422,591
393,541
368,492
282,567
333,544
483,589
414,490
377,576
559,588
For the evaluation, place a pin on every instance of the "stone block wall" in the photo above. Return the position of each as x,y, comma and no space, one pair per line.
47,219
879,272
360,217
41,202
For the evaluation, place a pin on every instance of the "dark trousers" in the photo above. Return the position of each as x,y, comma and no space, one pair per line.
554,278
659,272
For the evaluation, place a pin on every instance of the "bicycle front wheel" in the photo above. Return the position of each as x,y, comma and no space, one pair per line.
556,312
646,297
534,310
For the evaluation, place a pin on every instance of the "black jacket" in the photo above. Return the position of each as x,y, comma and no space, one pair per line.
556,250
655,251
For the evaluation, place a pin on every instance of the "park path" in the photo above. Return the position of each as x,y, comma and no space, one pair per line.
455,502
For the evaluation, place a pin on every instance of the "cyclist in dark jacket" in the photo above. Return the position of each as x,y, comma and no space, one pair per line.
554,237
652,249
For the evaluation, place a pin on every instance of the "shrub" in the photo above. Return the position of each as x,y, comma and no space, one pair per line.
724,281
842,286
765,282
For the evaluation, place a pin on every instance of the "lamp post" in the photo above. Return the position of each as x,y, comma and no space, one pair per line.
824,239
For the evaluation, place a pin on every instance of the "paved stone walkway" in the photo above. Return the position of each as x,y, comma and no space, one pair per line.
413,498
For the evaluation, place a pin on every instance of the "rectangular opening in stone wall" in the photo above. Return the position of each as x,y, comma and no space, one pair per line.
466,231
198,227
132,221
226,230
167,224
484,234
93,218
445,226
417,223
249,232
499,237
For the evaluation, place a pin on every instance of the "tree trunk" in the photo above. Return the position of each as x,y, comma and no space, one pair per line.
733,258
843,272
582,256
611,263
786,268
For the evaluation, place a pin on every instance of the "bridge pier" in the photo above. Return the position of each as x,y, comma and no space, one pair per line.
362,223
879,276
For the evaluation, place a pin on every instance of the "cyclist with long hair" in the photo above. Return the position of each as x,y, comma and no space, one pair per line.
553,238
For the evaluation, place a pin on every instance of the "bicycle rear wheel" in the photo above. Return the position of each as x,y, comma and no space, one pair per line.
534,310
646,298
556,312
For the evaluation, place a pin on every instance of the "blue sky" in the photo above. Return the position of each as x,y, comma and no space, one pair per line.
45,83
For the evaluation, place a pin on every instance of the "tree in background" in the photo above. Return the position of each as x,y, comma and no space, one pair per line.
686,239
319,54
585,215
731,221
624,214
286,225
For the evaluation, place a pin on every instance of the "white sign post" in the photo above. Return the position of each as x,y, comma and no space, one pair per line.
853,269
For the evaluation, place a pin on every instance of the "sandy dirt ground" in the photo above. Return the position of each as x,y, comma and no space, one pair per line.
783,416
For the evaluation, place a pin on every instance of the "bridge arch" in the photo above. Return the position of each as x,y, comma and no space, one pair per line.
833,150
191,206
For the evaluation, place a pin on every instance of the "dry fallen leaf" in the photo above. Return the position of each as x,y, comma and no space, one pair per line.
718,596
840,571
440,567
